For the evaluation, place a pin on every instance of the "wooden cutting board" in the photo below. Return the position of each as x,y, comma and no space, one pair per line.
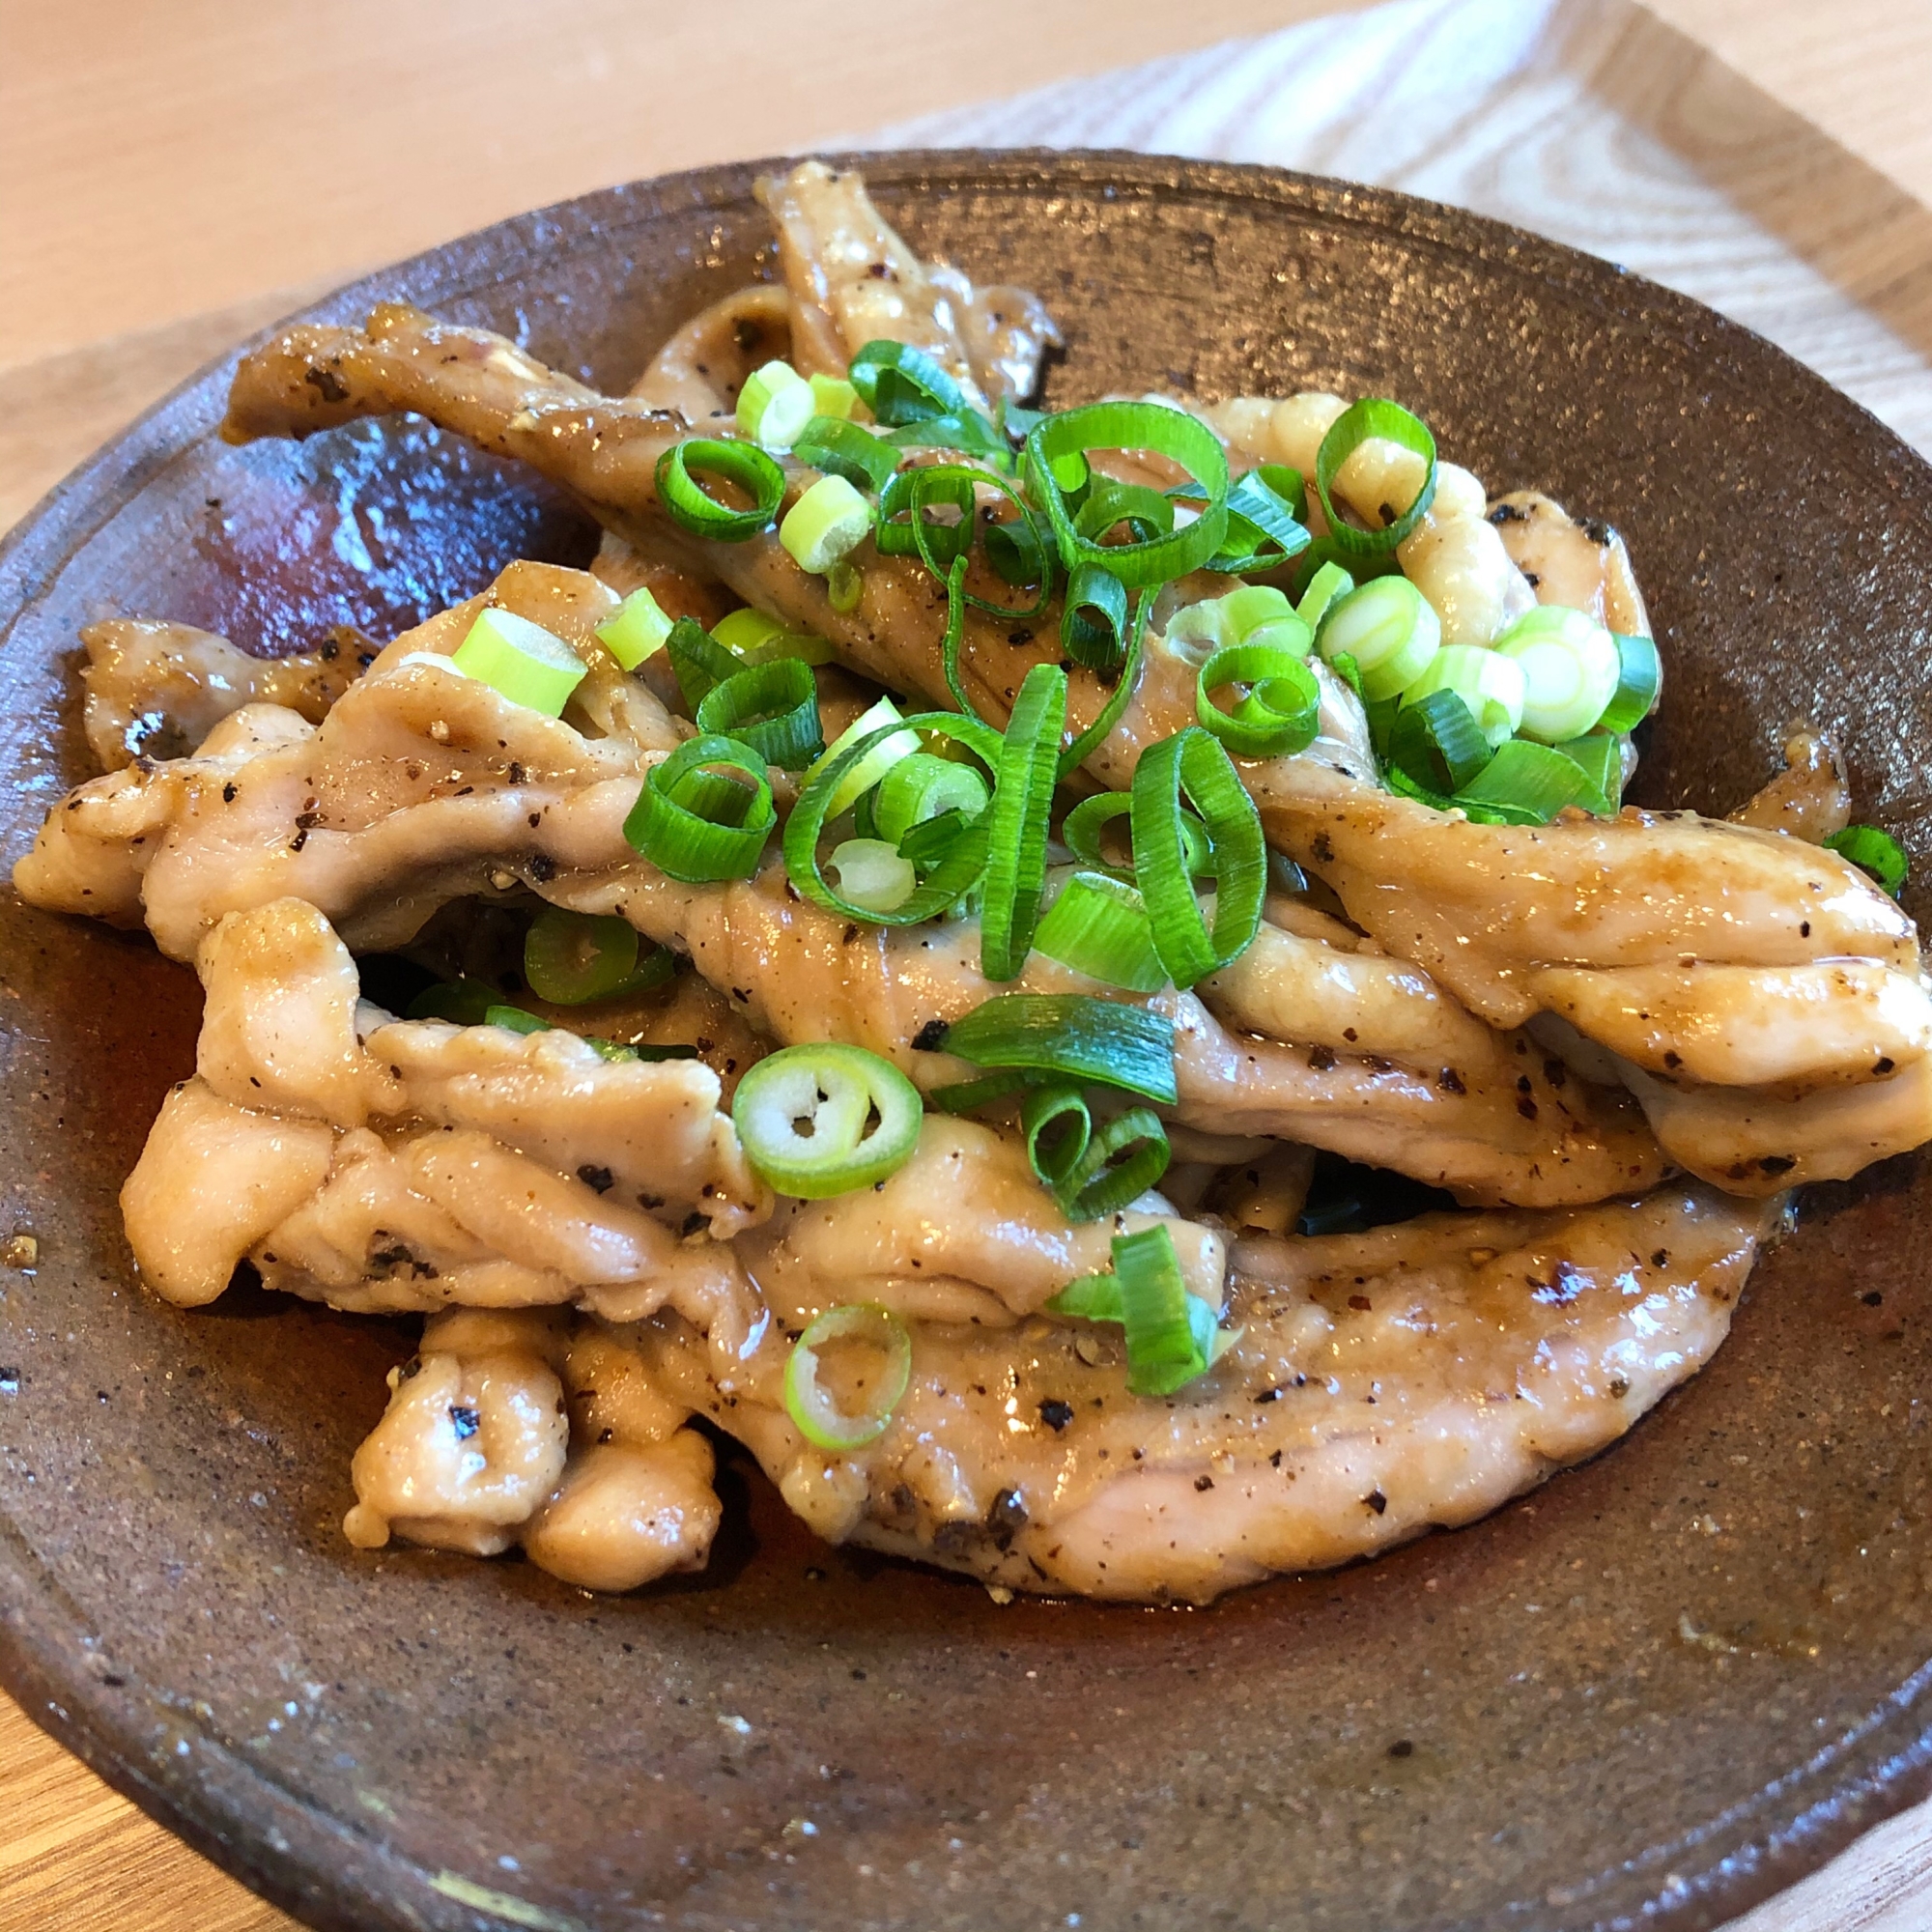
1596,123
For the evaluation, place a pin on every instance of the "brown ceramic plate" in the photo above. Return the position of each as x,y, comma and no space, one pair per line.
1662,1686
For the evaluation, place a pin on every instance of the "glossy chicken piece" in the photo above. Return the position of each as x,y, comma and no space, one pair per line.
700,370
852,280
1582,565
1810,798
1493,1348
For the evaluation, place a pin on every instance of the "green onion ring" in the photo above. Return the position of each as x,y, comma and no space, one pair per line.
1099,925
1372,416
818,1419
1080,833
1874,852
836,447
698,661
1279,714
1058,1125
1096,733
1098,641
683,821
772,707
902,385
573,957
1017,821
758,475
1073,1035
837,1089
1126,1157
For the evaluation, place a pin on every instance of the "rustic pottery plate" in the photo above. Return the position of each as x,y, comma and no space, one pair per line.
1657,1689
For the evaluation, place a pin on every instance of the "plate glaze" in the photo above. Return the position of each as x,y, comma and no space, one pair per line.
1657,1689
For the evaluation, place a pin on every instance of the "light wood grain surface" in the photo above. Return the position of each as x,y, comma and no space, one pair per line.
173,177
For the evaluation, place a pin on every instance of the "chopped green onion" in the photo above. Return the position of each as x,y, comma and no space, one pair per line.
964,860
1073,1035
964,430
1017,819
817,1417
774,404
922,787
462,1001
571,958
636,631
830,520
1099,925
888,748
514,1020
1491,687
1094,618
902,385
757,639
520,661
1081,830
832,396
1278,714
1254,614
704,813
743,463
1534,780
1601,753
655,1053
1172,1336
772,707
834,1092
1129,425
1570,670
1192,763
962,1096
844,587
1437,742
912,493
844,449
1328,583
1058,1125
1640,679
1372,416
1390,630
872,874
1126,1157
1872,851
1266,513
698,661
1146,512
1090,741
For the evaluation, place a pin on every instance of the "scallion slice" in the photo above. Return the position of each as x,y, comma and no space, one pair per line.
1057,1124
743,463
1130,425
1094,618
514,1020
888,749
757,638
572,957
1255,613
1534,780
1072,1034
774,404
698,661
1099,925
840,448
462,1002
1436,741
1144,511
1601,753
1570,670
1390,630
1491,687
704,813
1172,1336
1372,416
1082,829
1328,582
902,385
1191,763
1126,1157
1090,741
1872,851
819,1419
1639,680
910,495
1276,716
773,707
1018,820
1266,513
872,874
636,631
922,787
828,522
834,396
844,587
520,661
861,1116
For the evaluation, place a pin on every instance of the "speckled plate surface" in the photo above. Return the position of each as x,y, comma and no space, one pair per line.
1655,1691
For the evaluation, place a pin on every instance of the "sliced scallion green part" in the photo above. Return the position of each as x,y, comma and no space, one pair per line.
922,787
571,958
520,661
1082,829
637,630
1057,1124
912,495
1601,754
1267,521
1193,765
1073,1035
1328,583
1570,670
829,521
1254,614
1094,618
772,707
1491,687
704,813
1090,741
844,587
741,463
1390,630
463,1002
1099,925
1372,416
1018,820
902,385
757,638
888,749
1144,511
1172,1336
774,404
1534,780
1436,741
832,396
810,1404
964,430
514,1020
698,661
861,1115
1639,680
872,874
840,448
1872,851
1126,1157
1278,714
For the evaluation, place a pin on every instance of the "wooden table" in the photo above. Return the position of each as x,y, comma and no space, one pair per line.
173,177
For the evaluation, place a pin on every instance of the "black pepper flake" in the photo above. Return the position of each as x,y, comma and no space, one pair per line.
1509,513
1660,1258
1778,1163
1874,1299
1526,1108
1377,1501
607,1435
1055,1413
1555,1072
1530,577
536,819
1320,1059
516,773
850,933
1672,1059
1006,1519
1401,1747
1360,1301
1019,635
650,1202
543,868
1324,849
1269,1395
326,383
596,1178
299,841
742,994
1274,1461
410,1369
1619,1387
464,1421
1450,1081
1882,1066
228,794
1804,929
1204,1483
931,1038
691,1223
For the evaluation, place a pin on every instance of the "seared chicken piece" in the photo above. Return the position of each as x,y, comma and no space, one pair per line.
853,281
156,689
1584,566
700,370
1810,798
1381,1385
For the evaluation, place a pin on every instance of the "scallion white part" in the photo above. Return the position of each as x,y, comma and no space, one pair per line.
636,631
828,522
1390,630
1491,686
872,876
1569,667
876,762
774,404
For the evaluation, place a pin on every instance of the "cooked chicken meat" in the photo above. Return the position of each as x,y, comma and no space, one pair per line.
1583,565
1810,798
